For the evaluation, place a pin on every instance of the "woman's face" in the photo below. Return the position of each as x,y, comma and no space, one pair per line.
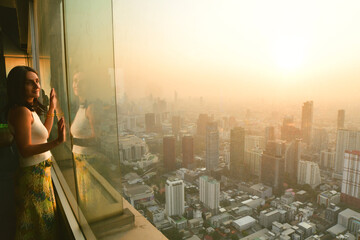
32,86
78,85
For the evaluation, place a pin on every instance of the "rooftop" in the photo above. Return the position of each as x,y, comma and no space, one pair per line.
350,213
137,189
244,220
337,229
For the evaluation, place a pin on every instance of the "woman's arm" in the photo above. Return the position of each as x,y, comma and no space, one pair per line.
90,114
21,119
50,114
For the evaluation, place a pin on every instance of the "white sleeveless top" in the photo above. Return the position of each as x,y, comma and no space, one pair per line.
80,128
39,134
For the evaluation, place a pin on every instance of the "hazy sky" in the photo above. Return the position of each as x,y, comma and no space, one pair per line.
295,50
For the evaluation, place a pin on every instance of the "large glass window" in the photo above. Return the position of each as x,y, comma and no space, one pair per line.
76,58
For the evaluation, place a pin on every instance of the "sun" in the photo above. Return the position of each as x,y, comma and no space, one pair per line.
289,52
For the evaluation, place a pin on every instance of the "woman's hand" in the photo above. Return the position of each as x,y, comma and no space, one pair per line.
61,130
53,100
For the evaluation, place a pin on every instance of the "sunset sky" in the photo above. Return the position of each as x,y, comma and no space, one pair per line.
293,50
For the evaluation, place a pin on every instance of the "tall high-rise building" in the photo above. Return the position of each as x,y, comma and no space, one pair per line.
212,146
288,130
253,160
150,122
202,123
176,125
327,159
345,140
350,188
320,140
269,134
209,192
252,141
187,151
237,151
307,122
292,158
341,119
174,197
273,165
169,153
309,173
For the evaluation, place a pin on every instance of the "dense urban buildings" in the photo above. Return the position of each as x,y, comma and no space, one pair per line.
307,122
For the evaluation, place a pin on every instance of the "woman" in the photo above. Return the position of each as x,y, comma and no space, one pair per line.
35,201
84,138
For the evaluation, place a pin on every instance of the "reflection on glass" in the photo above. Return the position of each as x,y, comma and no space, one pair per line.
84,143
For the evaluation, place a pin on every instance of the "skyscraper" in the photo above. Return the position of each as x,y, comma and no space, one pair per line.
273,165
253,160
174,197
176,125
327,159
209,192
202,123
150,122
237,150
345,140
350,188
309,173
320,140
187,151
269,134
292,158
288,130
341,119
307,121
169,153
212,146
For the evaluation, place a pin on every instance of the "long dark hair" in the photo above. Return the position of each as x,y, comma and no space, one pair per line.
16,90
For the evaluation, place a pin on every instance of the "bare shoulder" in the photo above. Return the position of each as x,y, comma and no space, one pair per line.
90,110
20,114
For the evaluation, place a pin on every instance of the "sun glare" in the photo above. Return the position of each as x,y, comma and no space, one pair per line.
289,52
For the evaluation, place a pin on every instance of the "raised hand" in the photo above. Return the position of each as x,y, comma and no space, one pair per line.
53,99
61,130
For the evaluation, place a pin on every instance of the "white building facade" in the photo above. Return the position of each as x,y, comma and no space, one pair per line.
345,140
209,192
174,197
350,187
309,173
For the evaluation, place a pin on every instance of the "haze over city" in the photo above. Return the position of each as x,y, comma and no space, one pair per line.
248,51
